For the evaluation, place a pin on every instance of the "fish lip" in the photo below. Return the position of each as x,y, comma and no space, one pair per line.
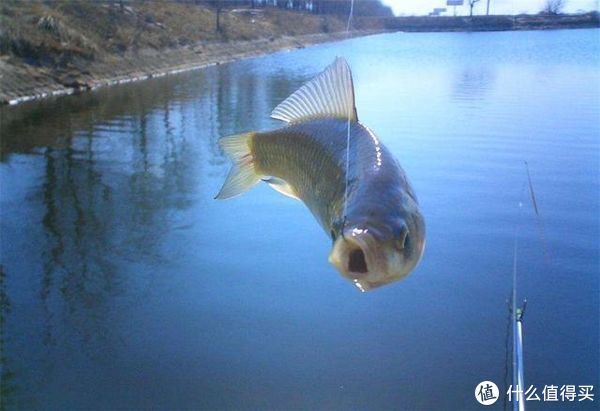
377,256
346,244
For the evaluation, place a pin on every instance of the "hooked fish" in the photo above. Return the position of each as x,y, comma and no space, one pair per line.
360,195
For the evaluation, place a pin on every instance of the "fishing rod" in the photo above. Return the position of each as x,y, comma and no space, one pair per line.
518,378
516,319
516,314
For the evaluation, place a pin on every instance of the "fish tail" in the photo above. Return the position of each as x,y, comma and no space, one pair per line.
242,175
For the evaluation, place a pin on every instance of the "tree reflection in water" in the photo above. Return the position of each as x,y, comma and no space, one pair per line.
117,166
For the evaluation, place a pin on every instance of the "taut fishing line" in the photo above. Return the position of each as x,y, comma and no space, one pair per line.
348,24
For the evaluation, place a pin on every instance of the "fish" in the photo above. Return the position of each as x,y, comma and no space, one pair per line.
326,158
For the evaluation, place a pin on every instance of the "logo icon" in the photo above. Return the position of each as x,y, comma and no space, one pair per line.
487,393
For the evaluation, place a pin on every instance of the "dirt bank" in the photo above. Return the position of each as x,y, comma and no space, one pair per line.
63,47
23,83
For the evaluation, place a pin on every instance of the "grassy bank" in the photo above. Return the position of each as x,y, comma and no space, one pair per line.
59,47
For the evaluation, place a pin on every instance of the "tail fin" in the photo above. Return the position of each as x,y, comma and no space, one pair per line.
242,175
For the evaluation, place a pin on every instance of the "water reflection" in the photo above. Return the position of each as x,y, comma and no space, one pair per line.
7,376
117,166
473,84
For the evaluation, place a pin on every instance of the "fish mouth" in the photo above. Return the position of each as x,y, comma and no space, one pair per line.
357,259
350,257
357,262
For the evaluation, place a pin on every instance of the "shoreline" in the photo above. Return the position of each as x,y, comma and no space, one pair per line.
152,64
522,22
21,82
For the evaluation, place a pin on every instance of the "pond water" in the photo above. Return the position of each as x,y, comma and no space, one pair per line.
126,286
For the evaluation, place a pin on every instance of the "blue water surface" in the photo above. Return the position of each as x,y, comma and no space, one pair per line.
126,286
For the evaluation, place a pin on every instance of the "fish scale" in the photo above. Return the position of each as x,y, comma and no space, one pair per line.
310,157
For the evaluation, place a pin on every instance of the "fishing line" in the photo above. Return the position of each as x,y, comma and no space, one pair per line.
348,131
350,17
347,172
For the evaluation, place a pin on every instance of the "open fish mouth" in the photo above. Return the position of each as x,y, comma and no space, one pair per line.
358,258
357,262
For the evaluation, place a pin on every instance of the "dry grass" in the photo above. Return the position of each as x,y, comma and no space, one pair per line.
61,32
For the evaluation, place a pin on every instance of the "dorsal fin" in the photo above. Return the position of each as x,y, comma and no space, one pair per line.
329,95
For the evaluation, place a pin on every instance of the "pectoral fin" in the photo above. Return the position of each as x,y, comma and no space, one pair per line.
281,186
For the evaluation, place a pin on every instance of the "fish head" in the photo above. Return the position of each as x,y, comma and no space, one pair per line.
379,247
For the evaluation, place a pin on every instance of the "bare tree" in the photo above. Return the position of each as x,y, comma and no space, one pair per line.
487,9
471,5
554,6
218,16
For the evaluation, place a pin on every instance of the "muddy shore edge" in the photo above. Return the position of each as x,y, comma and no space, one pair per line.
21,84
